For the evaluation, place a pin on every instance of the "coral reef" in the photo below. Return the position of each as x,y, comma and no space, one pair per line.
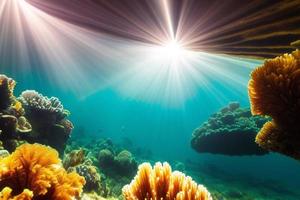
122,164
74,158
5,194
230,131
34,171
78,162
274,90
7,86
106,158
113,160
160,182
13,124
91,176
125,163
3,153
31,118
48,119
115,165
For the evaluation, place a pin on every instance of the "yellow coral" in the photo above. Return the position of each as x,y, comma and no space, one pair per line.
17,106
274,90
5,194
37,168
160,182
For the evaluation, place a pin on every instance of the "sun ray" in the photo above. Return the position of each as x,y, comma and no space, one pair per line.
145,50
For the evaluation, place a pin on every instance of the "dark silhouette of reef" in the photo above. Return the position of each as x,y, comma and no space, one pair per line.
274,91
231,131
31,118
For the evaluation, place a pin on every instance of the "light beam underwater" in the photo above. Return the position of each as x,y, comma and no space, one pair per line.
84,61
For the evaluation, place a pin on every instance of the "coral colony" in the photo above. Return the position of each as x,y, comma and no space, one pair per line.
227,126
41,157
274,91
34,171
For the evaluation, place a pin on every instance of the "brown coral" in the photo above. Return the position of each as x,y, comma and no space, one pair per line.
37,168
160,182
7,86
274,90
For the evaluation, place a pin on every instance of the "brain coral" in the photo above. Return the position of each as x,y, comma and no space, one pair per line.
34,172
231,131
160,182
274,90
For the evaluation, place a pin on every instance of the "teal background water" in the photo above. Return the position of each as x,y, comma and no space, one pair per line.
165,131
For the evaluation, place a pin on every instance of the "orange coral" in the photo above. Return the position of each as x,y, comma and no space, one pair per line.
5,194
37,168
160,182
274,90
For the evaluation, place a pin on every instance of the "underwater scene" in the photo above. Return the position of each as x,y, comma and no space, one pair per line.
149,100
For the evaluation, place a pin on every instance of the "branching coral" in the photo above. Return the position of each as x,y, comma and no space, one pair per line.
35,101
35,172
48,119
160,182
231,131
274,90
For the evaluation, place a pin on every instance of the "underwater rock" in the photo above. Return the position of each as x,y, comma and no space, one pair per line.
122,164
106,158
125,163
34,171
274,90
231,131
160,182
179,166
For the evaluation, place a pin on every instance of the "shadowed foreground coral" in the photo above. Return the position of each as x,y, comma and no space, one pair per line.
160,182
34,172
274,90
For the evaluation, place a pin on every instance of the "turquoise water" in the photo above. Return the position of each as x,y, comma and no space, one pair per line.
164,132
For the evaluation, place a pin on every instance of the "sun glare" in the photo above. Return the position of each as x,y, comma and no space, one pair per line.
172,50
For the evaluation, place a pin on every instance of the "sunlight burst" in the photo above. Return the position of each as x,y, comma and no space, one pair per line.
164,70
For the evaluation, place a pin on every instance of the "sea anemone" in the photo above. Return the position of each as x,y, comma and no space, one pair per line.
160,182
35,172
274,90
